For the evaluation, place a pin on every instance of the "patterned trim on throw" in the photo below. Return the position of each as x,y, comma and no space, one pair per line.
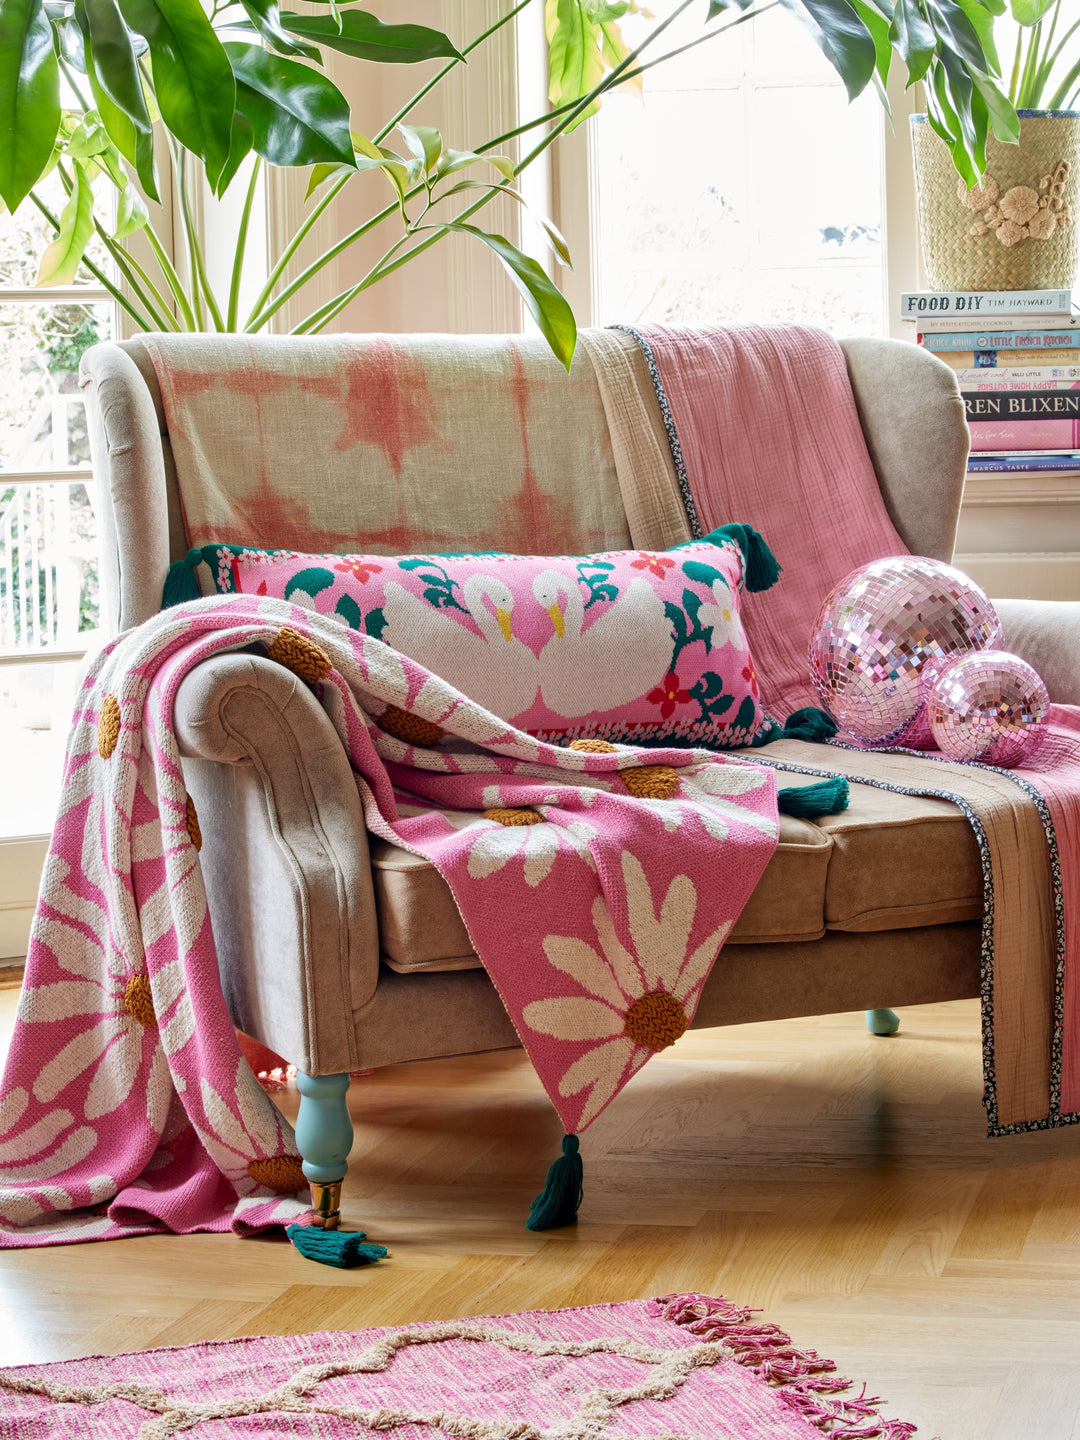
669,427
1055,1117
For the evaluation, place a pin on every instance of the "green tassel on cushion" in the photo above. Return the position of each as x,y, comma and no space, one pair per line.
557,1204
344,1248
761,567
807,802
181,583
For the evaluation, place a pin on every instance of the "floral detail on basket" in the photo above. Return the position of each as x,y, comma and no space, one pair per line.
1021,213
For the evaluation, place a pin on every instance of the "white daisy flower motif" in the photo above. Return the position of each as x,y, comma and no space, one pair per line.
504,832
249,1146
712,783
637,1004
722,618
122,1041
702,794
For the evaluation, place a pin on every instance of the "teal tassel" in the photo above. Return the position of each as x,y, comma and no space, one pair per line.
810,724
762,569
557,1204
344,1248
181,583
808,801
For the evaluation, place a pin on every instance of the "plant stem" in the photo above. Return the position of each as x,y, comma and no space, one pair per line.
172,279
98,274
314,322
1014,78
161,303
1027,82
241,245
1057,101
409,104
200,285
161,317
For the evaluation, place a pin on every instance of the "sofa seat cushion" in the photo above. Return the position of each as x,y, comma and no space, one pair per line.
420,928
899,861
888,862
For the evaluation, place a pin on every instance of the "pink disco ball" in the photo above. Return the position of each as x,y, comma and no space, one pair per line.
989,706
875,633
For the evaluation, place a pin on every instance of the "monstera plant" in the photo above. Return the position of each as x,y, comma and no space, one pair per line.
86,86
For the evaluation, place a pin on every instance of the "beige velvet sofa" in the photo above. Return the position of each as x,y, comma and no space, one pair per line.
340,951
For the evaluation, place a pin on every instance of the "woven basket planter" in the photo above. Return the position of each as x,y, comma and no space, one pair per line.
1017,231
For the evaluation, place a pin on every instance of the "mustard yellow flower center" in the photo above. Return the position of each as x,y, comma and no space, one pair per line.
514,815
280,1173
651,782
300,655
191,822
413,729
655,1021
138,1002
594,747
108,726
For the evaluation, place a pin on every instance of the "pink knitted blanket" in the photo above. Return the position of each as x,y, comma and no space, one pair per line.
765,428
598,889
762,424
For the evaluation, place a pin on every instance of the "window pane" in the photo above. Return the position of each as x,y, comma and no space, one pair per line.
42,422
36,702
48,569
713,207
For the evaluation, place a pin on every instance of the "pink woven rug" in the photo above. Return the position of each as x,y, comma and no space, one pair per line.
683,1367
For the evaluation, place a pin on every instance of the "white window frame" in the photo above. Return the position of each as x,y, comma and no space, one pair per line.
575,201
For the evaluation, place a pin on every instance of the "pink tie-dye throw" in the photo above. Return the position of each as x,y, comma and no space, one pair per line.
597,884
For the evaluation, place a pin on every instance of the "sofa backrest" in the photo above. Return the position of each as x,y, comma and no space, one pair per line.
540,476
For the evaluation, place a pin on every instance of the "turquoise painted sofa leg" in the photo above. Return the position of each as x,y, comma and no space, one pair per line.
324,1136
882,1022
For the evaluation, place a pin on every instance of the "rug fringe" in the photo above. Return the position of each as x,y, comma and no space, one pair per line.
802,1379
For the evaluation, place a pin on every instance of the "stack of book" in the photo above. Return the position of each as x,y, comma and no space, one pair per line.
1016,354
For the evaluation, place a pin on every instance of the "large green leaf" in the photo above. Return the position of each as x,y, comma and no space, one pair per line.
982,22
842,38
131,212
243,137
60,262
576,63
367,38
955,32
297,115
912,38
1030,12
1003,119
193,80
546,302
29,97
265,15
111,66
878,27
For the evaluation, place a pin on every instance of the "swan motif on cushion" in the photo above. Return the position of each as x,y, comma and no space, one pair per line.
722,618
493,668
615,660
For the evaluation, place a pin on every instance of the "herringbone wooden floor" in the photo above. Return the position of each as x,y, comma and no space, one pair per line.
842,1183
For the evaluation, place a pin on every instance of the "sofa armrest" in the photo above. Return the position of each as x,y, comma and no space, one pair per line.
284,857
1046,633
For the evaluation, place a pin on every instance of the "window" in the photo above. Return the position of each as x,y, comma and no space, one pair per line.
48,523
741,188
